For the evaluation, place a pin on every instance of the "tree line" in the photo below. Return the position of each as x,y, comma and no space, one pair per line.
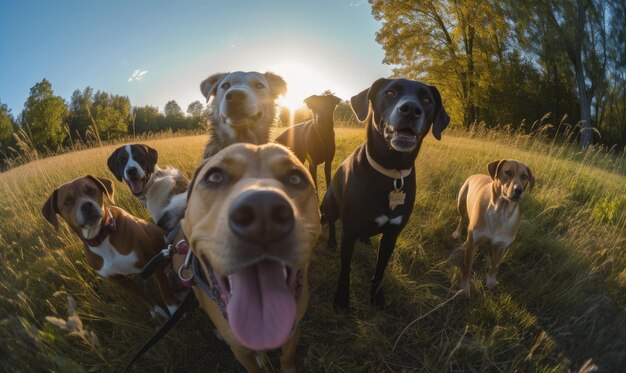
506,61
48,123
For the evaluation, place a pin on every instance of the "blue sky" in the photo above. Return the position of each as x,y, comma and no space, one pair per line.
155,51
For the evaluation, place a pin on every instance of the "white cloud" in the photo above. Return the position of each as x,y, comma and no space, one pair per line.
137,75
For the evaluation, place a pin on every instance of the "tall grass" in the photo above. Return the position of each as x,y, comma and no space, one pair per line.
560,303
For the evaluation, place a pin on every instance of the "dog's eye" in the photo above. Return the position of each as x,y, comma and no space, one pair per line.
524,177
225,85
91,191
390,93
426,100
508,173
259,86
68,201
295,178
214,177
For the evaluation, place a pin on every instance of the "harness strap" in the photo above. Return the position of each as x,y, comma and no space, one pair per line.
189,301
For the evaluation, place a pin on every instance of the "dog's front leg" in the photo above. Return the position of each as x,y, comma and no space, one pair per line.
246,357
467,265
327,168
385,248
288,357
167,293
497,252
342,296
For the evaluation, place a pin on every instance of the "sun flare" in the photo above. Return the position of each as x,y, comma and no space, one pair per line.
302,82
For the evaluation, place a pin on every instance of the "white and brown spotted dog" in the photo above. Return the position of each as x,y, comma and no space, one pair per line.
489,205
243,108
163,191
252,221
116,243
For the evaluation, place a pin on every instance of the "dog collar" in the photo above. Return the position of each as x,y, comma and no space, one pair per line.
392,173
108,227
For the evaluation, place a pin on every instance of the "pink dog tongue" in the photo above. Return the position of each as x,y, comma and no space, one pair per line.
136,185
261,310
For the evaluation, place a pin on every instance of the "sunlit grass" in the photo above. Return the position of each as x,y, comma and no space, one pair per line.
560,300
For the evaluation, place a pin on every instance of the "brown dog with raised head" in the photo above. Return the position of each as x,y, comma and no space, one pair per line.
252,221
489,205
314,140
116,243
243,108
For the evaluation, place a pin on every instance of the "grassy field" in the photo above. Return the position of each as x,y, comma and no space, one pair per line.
560,302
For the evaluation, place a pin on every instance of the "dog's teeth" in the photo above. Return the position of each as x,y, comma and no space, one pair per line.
230,283
285,272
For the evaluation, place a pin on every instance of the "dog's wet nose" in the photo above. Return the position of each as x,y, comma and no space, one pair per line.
518,190
410,108
88,208
236,95
131,171
261,216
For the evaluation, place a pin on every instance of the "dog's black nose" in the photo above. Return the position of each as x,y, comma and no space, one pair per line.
131,171
261,216
235,95
87,207
518,190
410,108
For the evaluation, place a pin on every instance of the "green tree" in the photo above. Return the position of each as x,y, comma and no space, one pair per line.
111,114
6,125
172,109
79,118
43,116
195,109
147,119
452,44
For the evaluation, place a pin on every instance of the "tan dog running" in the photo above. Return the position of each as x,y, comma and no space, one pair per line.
490,207
116,243
252,221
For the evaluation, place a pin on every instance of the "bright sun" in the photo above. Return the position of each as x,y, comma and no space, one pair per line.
302,82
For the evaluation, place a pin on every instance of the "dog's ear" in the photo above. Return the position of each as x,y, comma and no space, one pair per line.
277,84
153,157
208,87
50,210
313,102
531,179
115,166
494,167
105,185
361,102
334,99
442,119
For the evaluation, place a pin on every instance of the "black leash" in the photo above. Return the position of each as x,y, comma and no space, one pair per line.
189,301
148,269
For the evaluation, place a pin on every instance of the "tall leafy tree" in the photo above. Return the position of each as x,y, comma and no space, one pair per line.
451,44
79,118
6,125
111,114
172,109
147,119
195,109
44,115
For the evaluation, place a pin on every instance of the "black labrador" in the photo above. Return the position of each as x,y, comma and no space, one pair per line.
373,191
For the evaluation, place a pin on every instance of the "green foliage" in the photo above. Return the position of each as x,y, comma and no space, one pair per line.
172,110
43,117
6,125
195,109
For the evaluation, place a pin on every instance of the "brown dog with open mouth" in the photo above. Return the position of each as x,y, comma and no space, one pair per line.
252,221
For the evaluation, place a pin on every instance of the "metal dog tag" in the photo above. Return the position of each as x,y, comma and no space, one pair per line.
396,198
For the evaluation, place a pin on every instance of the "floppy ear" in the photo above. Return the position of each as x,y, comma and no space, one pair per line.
531,179
114,165
441,117
361,102
50,210
335,100
208,87
277,84
105,185
494,167
153,156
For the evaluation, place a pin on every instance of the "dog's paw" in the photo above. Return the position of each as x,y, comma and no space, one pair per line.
491,281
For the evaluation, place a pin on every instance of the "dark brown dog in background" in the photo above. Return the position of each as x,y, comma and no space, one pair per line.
489,205
314,140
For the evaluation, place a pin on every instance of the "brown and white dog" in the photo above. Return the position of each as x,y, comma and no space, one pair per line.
489,205
163,191
243,108
116,243
252,221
